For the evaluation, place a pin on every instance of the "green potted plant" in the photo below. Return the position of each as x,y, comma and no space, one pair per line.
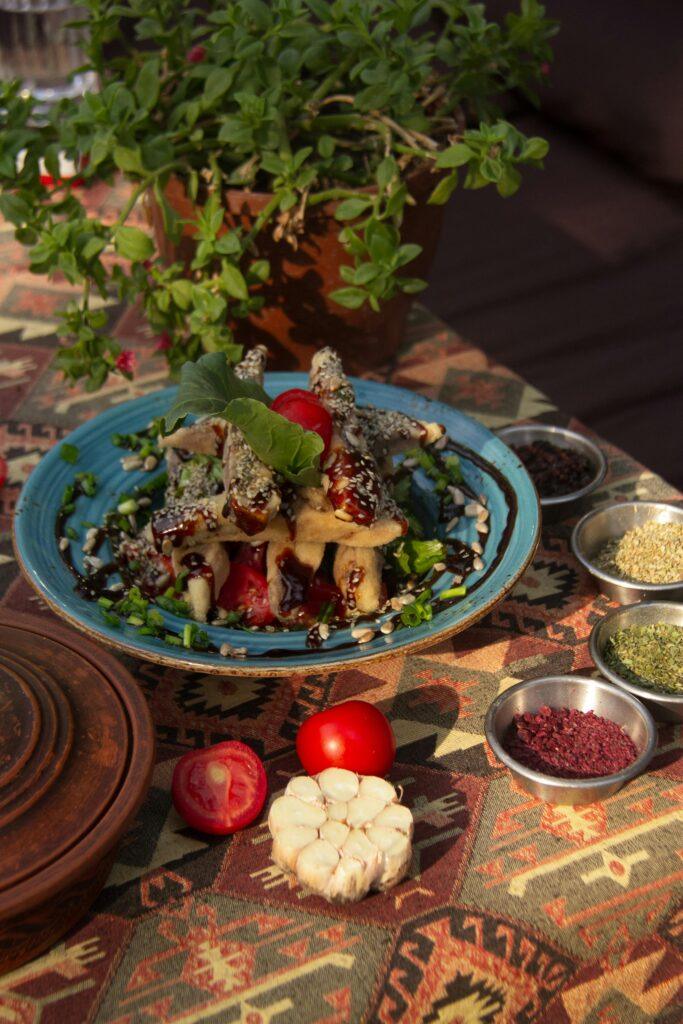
293,156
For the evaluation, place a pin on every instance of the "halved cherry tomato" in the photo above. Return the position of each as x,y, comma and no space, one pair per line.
3,472
219,789
253,555
353,735
304,408
246,591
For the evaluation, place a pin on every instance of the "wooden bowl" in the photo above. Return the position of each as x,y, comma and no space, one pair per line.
76,757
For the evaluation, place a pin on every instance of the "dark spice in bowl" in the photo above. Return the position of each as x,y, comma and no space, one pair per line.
555,471
568,743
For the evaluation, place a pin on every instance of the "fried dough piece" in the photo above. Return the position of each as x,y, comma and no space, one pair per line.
358,574
388,432
354,477
322,524
198,522
291,566
208,567
205,437
253,497
195,523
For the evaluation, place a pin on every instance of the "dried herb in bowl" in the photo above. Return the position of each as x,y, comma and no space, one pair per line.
568,743
651,553
649,656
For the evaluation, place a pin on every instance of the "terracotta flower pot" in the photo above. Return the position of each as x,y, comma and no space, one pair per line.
298,316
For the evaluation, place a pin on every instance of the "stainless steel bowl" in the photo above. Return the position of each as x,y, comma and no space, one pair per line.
571,692
566,505
609,522
667,707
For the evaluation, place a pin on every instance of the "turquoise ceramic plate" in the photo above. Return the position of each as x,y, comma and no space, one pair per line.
492,470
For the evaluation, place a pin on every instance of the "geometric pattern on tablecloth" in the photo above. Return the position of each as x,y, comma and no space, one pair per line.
191,927
463,964
216,958
579,874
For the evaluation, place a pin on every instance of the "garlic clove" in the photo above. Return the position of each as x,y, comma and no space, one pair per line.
396,816
335,832
363,811
380,789
338,784
358,846
289,810
337,812
306,789
316,864
288,844
395,853
349,882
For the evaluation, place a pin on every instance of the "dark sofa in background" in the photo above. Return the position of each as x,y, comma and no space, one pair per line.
577,281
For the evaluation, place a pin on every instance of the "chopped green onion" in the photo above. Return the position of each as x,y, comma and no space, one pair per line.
128,507
188,634
71,533
135,620
452,592
170,638
69,452
105,602
112,620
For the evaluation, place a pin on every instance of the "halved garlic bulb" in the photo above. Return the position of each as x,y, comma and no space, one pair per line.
341,834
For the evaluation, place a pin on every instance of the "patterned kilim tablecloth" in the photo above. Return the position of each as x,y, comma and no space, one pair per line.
514,910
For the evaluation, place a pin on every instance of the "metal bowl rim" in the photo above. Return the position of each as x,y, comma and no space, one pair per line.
600,664
570,435
554,781
608,577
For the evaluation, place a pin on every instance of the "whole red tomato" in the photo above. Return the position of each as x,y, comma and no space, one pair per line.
353,735
219,789
306,409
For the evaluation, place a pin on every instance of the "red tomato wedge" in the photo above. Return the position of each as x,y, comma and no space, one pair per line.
304,408
246,591
353,735
219,789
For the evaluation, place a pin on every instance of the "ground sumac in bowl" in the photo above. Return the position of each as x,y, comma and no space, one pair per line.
568,743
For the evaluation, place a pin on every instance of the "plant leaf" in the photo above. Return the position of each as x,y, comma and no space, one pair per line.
351,298
279,443
207,387
133,244
454,156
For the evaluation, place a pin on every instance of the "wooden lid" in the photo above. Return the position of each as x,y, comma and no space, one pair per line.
76,754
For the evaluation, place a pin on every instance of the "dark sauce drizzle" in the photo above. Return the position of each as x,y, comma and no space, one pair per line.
459,559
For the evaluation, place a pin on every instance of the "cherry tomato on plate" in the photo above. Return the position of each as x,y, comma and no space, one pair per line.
246,590
353,735
253,555
219,789
306,409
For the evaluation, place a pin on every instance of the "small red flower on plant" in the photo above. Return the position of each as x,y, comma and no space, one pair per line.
164,342
196,54
125,362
